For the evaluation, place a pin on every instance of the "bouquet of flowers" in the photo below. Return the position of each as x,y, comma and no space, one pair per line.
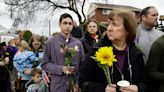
105,58
69,53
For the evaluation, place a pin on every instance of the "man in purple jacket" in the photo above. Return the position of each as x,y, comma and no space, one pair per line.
54,56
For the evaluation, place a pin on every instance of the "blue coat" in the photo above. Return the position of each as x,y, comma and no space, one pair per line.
23,60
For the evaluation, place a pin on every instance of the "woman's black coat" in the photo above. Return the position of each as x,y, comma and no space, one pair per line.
92,78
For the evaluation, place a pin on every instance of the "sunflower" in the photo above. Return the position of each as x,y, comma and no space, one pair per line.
105,56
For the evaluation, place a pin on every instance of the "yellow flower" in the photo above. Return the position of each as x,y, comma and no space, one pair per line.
105,56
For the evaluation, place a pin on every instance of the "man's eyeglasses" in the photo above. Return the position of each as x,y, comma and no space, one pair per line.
65,23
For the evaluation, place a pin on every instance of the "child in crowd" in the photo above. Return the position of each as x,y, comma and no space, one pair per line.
39,85
22,61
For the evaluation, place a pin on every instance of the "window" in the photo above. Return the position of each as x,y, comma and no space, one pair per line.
105,11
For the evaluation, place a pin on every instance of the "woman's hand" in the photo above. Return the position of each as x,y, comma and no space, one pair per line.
111,88
131,88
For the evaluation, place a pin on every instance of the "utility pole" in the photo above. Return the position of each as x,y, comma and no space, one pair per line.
49,26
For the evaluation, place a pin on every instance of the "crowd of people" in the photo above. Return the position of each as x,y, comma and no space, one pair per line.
66,61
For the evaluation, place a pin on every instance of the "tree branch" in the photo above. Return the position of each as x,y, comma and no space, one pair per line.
82,9
28,8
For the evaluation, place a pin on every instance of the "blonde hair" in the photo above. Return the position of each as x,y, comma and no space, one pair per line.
11,41
24,45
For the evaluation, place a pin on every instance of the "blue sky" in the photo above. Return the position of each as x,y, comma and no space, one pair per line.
7,22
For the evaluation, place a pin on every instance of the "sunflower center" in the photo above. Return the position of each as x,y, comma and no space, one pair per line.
106,57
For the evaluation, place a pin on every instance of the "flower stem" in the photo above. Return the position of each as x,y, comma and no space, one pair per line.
107,74
71,83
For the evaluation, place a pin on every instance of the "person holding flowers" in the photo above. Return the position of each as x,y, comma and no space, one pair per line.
62,57
115,64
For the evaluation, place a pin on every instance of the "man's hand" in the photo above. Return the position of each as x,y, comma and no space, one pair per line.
68,70
76,88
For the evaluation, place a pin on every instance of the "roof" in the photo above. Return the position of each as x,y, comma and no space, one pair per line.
94,6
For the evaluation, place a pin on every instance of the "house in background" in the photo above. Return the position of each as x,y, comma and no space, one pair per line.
100,11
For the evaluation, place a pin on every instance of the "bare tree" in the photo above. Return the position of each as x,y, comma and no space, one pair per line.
26,10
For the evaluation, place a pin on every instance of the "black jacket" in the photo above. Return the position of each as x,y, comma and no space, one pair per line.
77,32
155,66
92,78
87,42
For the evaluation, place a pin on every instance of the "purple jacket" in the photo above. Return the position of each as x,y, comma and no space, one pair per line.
53,61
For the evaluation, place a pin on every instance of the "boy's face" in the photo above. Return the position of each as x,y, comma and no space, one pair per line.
66,25
37,78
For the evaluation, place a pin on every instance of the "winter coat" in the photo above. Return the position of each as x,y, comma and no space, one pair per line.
92,77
